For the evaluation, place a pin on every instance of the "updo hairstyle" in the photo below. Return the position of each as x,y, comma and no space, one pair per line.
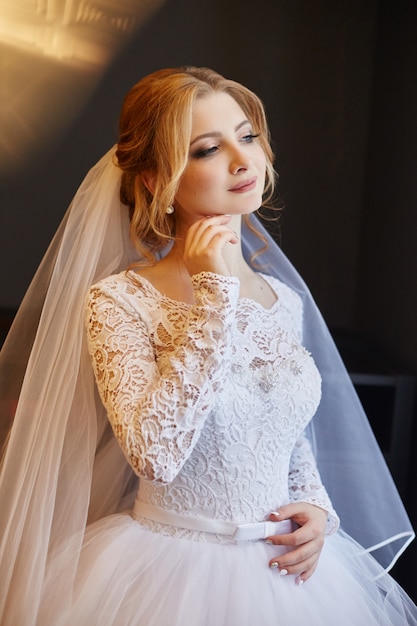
154,138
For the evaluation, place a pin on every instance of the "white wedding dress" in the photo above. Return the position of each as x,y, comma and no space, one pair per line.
209,403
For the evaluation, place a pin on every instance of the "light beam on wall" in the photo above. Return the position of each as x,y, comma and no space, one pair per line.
52,53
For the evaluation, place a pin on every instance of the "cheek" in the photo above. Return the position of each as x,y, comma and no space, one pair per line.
261,159
195,189
201,181
261,164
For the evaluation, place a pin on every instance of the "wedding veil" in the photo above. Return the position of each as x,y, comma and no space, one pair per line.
63,469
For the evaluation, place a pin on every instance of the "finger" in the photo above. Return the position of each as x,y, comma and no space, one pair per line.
299,557
215,234
203,223
306,574
303,566
287,539
289,511
299,536
210,242
208,258
222,236
201,237
209,245
299,512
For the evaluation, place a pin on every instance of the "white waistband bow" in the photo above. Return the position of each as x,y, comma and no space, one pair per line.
237,532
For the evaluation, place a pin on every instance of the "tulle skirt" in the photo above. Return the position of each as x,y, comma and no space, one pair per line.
129,575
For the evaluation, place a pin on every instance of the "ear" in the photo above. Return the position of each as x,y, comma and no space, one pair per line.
149,180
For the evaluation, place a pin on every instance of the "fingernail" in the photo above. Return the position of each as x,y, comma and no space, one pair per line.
274,565
268,541
299,581
274,513
283,572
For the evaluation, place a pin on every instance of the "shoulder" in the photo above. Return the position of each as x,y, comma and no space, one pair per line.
114,282
126,290
126,282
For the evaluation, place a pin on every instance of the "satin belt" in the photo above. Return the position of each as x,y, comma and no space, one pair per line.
237,532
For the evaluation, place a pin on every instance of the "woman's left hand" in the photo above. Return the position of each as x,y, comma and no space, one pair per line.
306,542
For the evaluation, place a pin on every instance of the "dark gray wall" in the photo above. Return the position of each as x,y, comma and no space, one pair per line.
312,65
386,304
386,300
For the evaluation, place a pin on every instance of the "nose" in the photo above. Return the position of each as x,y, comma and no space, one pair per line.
239,160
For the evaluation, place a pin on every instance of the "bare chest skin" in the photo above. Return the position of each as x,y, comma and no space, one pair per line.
171,279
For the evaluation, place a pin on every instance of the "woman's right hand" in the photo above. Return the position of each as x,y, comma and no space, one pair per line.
204,243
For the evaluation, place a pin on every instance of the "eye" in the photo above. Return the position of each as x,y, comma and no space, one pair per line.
249,138
206,152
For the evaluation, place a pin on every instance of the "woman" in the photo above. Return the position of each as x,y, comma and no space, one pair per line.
200,362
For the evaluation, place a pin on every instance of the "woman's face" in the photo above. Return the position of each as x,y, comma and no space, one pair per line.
226,167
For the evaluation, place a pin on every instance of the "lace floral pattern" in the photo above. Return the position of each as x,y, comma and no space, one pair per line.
208,401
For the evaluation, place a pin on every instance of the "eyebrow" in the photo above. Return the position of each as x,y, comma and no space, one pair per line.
217,133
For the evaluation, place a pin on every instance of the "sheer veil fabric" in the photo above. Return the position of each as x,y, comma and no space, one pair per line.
62,468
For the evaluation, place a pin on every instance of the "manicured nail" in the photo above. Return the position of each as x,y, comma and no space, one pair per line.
268,541
275,513
299,581
283,572
274,565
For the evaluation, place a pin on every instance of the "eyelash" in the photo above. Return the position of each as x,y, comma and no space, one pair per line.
201,154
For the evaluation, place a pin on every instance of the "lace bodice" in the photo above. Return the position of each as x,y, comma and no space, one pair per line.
208,401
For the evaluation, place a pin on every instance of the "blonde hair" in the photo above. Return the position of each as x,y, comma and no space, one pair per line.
154,139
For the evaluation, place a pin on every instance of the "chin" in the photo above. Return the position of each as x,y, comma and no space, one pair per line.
252,208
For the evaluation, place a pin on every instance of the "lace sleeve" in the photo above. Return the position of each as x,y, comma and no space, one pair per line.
157,403
305,483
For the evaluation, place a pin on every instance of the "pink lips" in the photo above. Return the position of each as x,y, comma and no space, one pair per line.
246,185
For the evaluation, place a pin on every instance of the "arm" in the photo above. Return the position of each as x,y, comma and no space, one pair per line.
305,484
311,509
157,408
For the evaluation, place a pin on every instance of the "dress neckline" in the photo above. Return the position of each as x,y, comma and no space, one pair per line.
148,284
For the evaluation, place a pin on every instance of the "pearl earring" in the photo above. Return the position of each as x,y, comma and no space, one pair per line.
170,209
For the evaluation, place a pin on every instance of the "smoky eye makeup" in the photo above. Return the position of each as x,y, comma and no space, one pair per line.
201,153
244,134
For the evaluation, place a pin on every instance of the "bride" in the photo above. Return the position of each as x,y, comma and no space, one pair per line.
187,447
